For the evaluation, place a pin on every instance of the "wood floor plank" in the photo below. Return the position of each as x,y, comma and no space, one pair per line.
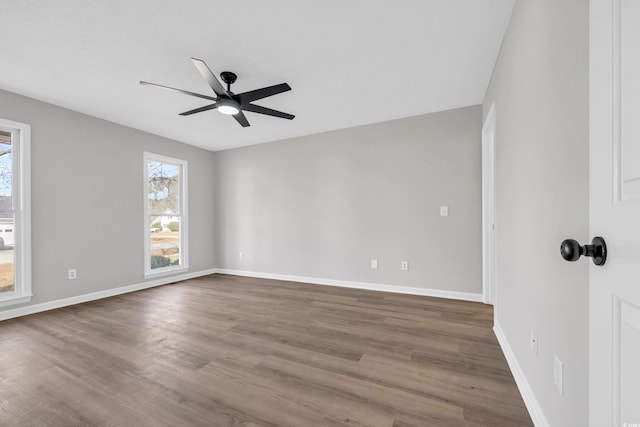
231,351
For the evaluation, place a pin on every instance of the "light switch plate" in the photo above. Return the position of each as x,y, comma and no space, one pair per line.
533,343
558,374
444,210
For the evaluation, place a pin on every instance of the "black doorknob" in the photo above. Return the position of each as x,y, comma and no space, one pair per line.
571,250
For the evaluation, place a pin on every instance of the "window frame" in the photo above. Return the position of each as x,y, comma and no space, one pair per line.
21,194
184,219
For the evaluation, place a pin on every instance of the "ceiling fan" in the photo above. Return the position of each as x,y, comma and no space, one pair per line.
228,102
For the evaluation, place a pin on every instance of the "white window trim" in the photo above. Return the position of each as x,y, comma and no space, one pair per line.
184,227
22,228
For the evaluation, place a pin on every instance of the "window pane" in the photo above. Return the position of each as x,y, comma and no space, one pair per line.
7,260
6,172
7,277
164,240
163,188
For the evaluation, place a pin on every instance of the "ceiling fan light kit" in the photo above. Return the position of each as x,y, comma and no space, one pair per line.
226,102
228,106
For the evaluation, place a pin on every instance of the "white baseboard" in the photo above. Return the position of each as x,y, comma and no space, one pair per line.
530,401
466,296
37,308
51,305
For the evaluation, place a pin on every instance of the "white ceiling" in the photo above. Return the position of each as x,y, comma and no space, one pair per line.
349,62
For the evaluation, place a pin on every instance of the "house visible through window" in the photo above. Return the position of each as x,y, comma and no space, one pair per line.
165,214
15,262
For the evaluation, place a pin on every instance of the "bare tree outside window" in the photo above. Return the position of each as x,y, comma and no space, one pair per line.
163,187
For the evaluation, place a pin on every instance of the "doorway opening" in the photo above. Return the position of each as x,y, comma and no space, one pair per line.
489,208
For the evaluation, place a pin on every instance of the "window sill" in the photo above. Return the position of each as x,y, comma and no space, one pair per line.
18,299
165,272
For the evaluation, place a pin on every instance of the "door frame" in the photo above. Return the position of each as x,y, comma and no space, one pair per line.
489,262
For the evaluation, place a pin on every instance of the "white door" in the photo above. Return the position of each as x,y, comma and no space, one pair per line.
614,325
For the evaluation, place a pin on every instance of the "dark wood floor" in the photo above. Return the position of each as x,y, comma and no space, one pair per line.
230,351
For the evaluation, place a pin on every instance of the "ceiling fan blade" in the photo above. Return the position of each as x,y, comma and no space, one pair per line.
240,118
268,111
208,75
199,110
254,95
186,92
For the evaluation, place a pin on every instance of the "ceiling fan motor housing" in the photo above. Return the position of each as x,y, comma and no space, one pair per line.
228,106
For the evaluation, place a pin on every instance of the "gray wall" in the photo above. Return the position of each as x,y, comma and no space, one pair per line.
319,206
323,205
540,88
87,199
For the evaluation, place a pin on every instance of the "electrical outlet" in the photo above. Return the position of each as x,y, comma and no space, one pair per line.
533,343
404,265
558,374
72,273
241,255
374,264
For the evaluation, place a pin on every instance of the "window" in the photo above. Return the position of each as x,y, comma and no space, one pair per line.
165,195
15,213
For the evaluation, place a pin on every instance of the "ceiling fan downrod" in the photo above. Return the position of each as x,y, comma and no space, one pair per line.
229,78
